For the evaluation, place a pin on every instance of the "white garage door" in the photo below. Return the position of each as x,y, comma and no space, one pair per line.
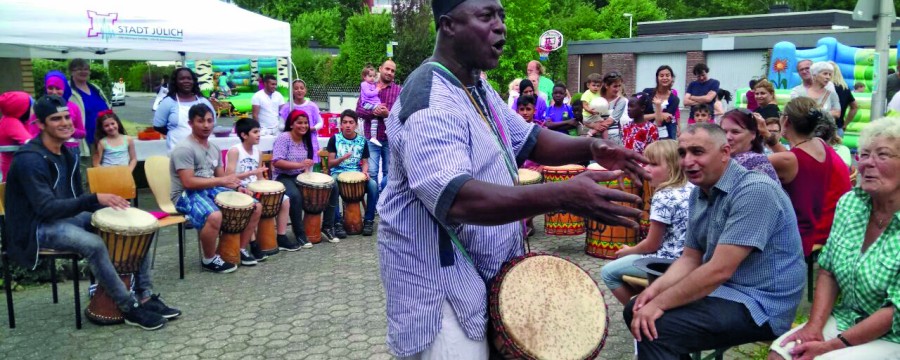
735,69
648,63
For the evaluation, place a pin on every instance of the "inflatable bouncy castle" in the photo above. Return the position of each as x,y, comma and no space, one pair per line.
247,73
856,65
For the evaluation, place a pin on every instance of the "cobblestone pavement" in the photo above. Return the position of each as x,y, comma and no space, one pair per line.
322,303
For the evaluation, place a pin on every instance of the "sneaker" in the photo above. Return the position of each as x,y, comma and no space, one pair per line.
155,304
368,227
219,266
257,252
286,244
144,318
304,242
339,232
328,233
247,259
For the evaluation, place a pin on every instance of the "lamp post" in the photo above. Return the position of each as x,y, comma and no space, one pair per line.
630,22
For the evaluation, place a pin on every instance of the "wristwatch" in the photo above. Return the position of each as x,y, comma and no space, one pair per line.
843,340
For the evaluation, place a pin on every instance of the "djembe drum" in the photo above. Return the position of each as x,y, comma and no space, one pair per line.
127,235
529,177
561,222
352,186
270,195
572,321
601,240
236,208
316,190
646,195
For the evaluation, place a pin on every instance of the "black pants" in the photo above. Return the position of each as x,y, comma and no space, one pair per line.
706,324
296,196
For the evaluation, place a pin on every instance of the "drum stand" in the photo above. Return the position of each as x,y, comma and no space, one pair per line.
102,309
230,247
312,223
353,218
265,234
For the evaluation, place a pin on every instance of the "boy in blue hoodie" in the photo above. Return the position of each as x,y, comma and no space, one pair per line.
45,200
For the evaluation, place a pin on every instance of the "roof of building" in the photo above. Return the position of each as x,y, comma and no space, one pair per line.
805,19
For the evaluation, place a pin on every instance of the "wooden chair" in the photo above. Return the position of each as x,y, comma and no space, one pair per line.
157,170
47,254
637,282
112,180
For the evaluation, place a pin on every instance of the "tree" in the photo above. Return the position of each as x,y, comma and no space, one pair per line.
323,25
364,43
576,20
414,33
617,25
525,21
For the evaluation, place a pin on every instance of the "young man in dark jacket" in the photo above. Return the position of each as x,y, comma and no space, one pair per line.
45,201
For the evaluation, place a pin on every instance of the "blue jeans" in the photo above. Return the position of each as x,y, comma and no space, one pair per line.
672,128
379,157
613,271
76,234
371,200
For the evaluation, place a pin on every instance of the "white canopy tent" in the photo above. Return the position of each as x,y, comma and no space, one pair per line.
138,30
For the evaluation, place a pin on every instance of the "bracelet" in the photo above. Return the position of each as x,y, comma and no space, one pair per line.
843,340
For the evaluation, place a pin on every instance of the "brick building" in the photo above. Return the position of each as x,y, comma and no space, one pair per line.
735,48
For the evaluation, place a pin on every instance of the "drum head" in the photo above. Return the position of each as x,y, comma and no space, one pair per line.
569,167
351,177
314,179
234,199
131,221
528,177
596,166
265,186
552,309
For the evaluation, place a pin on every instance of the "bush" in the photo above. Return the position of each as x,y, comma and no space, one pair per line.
313,67
364,43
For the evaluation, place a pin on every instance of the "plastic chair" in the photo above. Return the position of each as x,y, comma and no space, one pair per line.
158,177
48,254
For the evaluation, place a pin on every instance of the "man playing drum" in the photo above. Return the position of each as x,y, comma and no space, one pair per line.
455,147
197,177
347,151
741,275
45,201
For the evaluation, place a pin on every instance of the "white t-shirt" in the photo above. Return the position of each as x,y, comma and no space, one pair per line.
268,108
246,162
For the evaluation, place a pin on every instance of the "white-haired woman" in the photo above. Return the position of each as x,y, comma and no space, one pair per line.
845,98
825,98
861,262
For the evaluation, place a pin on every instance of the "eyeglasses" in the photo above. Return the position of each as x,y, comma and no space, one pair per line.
879,157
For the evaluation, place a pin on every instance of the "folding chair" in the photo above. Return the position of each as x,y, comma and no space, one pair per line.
157,170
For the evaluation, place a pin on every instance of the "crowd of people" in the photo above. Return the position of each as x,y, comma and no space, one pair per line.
742,196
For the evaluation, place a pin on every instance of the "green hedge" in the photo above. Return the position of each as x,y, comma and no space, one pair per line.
99,74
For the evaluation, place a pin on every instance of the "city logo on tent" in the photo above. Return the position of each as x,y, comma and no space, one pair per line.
109,26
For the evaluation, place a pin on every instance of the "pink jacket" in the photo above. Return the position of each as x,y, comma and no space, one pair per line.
13,105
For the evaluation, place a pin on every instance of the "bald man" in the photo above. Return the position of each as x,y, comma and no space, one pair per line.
741,275
373,122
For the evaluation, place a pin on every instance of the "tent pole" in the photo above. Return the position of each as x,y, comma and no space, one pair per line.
290,81
183,58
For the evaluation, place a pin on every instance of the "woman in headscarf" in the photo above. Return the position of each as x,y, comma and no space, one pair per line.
55,83
526,88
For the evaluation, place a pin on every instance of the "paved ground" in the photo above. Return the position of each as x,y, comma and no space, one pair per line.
323,303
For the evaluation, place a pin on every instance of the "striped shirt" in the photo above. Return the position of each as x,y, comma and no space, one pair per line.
429,164
747,208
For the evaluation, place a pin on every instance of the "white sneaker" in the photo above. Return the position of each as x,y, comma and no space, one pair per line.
334,240
308,245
